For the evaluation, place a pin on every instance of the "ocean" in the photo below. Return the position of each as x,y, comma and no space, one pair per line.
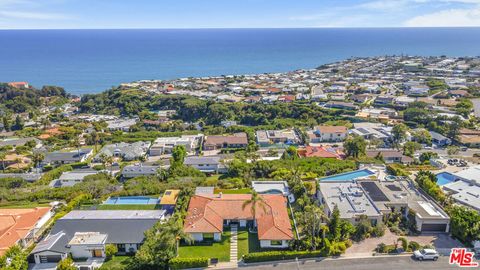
90,61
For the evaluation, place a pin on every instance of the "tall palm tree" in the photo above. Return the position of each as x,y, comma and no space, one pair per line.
174,228
37,158
255,200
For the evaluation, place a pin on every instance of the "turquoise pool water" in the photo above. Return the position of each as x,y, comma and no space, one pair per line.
445,178
349,176
131,200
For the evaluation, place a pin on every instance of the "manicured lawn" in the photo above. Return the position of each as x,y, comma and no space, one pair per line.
23,205
116,263
220,250
234,191
247,243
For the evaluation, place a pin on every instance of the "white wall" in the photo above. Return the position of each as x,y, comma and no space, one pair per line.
267,244
85,251
197,236
47,253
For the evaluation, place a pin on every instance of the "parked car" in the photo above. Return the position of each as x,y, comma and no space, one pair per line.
426,254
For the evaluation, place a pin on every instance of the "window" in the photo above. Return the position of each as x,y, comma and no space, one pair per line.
276,242
208,236
121,247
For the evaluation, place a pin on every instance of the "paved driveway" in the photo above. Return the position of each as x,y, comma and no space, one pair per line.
365,248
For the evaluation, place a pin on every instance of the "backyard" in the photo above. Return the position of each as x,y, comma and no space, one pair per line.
220,250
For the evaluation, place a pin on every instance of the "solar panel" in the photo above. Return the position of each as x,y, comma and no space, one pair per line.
374,192
393,188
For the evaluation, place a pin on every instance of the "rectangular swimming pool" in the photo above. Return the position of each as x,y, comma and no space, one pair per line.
445,178
348,176
132,200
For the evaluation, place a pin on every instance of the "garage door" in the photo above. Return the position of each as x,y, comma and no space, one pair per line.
50,258
434,227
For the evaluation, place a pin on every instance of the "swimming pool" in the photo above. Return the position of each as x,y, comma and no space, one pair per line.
349,176
132,200
445,178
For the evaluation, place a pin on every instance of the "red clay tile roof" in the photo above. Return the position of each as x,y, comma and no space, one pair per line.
15,224
207,212
321,151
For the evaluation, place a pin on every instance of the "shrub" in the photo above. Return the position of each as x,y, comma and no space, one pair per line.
381,248
282,255
110,250
182,263
378,231
413,246
404,243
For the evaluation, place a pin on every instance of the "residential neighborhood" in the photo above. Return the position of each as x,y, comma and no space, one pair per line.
366,157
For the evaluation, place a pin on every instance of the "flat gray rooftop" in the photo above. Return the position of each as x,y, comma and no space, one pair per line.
115,214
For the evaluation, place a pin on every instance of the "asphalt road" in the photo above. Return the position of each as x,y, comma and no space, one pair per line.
374,263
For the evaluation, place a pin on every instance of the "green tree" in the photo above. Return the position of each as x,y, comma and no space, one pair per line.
37,157
14,259
334,224
355,146
426,156
453,150
66,264
399,133
18,123
3,155
110,250
290,153
178,155
409,148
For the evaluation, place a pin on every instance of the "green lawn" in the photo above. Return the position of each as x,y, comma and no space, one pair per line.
23,204
220,250
247,243
116,263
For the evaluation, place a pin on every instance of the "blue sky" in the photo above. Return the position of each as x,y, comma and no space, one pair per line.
62,14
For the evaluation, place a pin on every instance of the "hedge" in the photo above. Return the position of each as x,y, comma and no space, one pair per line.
281,255
182,263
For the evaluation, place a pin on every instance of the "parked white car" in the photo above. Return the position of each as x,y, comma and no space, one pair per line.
426,254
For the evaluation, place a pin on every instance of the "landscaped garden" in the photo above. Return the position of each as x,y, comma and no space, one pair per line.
116,263
210,249
247,243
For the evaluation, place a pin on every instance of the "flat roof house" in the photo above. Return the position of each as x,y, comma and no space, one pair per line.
390,156
208,214
267,138
402,195
327,134
20,226
237,140
207,164
84,234
165,145
68,179
465,187
350,199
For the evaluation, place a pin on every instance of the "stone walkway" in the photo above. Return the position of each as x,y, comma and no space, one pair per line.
234,244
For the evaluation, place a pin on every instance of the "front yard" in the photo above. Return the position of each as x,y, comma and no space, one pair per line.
220,250
247,243
116,263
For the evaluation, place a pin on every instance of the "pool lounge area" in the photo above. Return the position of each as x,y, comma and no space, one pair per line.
348,176
445,178
133,200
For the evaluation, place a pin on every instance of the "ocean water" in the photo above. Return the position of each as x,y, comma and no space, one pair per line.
90,61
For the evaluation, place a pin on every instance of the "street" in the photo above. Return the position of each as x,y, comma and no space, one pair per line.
374,263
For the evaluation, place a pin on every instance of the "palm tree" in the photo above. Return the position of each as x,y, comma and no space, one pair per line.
255,200
175,229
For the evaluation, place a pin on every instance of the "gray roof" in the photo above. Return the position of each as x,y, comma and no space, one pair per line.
204,190
67,156
128,151
145,170
18,141
121,226
202,160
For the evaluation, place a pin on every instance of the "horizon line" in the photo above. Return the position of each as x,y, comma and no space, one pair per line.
243,28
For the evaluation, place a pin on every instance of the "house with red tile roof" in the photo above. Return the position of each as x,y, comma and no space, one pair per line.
208,214
19,84
321,151
20,226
